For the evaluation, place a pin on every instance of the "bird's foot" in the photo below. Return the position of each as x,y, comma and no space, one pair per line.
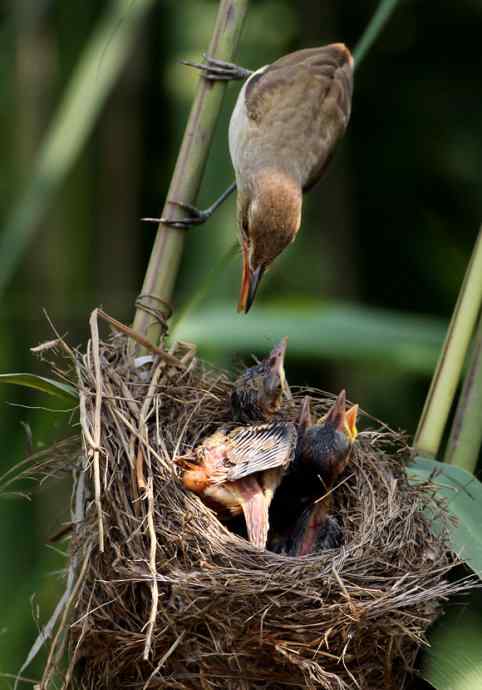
194,216
218,70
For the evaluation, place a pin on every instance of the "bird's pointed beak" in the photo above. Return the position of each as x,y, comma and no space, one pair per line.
336,414
350,422
277,369
305,420
249,282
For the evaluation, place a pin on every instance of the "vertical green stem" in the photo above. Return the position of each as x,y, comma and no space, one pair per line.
166,253
466,436
378,21
446,377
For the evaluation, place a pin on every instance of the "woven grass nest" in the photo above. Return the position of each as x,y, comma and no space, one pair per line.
176,600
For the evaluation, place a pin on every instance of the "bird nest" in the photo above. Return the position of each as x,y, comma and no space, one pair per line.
163,595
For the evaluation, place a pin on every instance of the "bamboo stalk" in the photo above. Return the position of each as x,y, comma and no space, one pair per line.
466,436
166,253
447,373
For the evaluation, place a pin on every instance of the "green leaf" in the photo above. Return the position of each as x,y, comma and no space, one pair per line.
317,330
454,658
40,383
464,498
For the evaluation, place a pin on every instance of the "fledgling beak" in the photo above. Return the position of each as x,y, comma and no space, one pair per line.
249,282
350,422
305,419
277,376
336,414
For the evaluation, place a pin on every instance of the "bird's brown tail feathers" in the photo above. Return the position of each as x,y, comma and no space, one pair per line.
255,511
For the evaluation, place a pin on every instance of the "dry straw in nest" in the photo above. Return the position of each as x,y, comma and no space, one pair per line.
165,596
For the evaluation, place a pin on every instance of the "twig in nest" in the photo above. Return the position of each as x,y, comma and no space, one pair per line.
152,567
68,596
94,329
122,328
50,666
141,482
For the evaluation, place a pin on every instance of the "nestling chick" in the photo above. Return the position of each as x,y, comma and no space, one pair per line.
259,390
324,448
300,521
239,470
314,531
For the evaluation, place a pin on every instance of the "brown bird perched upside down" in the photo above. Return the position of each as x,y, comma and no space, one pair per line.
286,123
258,392
301,512
232,467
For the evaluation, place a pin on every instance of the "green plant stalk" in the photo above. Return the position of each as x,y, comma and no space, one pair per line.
466,435
378,21
94,76
449,367
167,250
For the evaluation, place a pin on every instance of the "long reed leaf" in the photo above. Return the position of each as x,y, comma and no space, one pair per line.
316,330
96,73
40,383
463,494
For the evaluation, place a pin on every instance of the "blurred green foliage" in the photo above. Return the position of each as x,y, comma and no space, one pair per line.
385,241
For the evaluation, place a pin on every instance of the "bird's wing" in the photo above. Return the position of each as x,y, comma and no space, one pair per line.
313,88
258,448
328,64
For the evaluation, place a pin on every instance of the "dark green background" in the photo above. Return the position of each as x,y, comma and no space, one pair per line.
390,228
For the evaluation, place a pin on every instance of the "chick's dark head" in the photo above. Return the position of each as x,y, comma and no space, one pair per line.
259,390
325,447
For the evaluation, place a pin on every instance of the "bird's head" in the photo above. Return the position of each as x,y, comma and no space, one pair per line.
274,381
269,217
326,445
258,392
342,420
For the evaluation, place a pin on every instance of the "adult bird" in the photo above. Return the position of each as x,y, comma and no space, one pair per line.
285,125
302,512
238,471
258,391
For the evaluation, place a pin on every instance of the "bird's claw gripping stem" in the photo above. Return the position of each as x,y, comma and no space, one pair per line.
218,70
196,216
